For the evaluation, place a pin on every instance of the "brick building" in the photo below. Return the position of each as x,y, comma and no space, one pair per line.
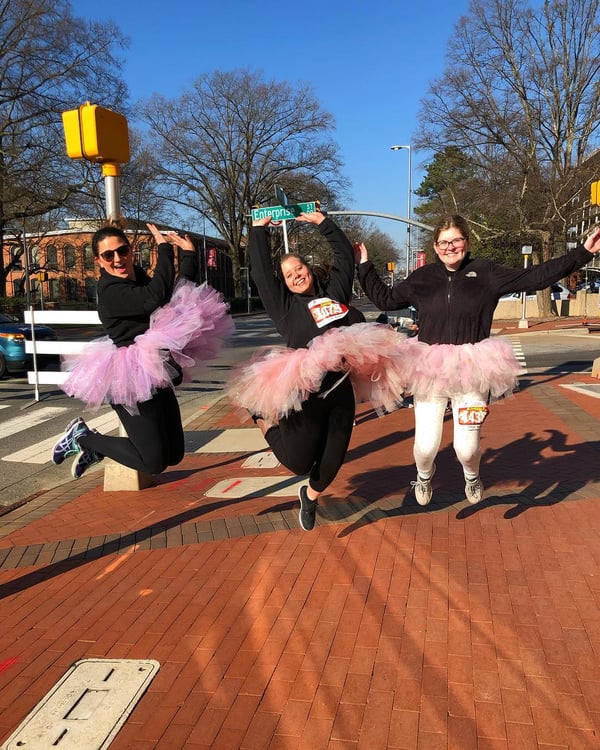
62,271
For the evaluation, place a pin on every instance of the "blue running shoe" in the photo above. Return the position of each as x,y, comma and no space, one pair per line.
69,442
83,461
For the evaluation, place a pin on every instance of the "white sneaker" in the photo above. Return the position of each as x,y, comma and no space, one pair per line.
423,490
474,490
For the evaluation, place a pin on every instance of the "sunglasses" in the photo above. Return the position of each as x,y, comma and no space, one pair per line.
109,255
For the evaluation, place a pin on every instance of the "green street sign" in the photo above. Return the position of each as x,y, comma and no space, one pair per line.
284,213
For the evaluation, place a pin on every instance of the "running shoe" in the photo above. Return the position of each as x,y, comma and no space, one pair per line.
68,443
308,510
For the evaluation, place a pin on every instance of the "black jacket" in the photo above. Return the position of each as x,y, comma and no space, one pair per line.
125,306
457,307
301,317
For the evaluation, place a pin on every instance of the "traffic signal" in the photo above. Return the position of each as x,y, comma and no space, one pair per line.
595,193
391,267
96,133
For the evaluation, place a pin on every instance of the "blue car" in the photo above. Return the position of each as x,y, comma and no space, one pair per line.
12,343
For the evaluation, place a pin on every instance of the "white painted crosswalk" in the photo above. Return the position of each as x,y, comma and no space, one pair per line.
39,453
519,353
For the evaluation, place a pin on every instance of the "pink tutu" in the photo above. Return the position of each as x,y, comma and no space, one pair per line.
382,365
279,379
488,367
190,328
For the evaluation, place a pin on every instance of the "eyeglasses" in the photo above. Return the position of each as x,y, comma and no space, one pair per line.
109,255
456,242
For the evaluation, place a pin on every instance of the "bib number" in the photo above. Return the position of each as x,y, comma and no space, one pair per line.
472,416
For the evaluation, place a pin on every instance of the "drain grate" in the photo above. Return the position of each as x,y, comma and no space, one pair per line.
87,706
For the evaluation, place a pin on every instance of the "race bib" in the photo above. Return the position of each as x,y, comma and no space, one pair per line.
472,415
325,311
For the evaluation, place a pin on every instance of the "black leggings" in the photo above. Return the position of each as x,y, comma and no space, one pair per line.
154,439
315,440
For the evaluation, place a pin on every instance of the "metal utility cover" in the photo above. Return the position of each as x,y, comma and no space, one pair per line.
264,460
87,707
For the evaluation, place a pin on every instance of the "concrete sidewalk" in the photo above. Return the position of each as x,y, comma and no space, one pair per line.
388,626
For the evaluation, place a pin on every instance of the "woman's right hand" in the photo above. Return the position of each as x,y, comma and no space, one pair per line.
264,222
361,254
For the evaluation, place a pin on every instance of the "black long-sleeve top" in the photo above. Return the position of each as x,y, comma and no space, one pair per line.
301,317
125,305
457,307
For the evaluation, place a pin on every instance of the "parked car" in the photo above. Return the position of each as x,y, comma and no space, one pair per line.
557,291
13,335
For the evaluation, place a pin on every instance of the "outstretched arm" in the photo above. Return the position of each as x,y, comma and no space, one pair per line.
385,297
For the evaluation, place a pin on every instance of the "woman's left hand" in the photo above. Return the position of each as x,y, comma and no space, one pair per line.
184,242
313,217
592,244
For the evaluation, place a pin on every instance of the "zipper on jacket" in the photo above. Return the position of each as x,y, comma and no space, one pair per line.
450,277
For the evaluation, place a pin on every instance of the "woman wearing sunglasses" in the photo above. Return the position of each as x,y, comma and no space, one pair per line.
454,359
157,329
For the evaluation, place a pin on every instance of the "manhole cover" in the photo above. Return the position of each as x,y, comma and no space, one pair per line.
87,706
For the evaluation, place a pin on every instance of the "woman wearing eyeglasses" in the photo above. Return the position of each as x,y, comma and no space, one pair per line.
453,359
157,329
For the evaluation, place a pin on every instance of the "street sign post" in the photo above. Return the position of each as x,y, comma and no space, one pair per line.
526,251
284,213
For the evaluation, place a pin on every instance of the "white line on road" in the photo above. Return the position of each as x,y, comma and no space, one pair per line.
39,453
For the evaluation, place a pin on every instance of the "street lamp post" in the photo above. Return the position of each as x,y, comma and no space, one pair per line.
409,204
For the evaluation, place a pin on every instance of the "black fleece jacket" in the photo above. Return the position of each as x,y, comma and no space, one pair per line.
125,306
457,307
301,317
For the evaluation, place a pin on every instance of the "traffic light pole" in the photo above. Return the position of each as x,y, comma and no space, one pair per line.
112,194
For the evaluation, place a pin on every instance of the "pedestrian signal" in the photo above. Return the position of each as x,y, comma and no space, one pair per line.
97,134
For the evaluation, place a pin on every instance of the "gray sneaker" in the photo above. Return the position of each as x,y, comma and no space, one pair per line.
422,487
474,490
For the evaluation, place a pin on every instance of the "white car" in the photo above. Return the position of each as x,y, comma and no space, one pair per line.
557,291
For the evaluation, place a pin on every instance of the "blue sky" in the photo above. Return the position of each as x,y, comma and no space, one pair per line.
370,64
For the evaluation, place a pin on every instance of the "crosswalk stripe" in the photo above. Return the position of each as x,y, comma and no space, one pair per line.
25,421
39,453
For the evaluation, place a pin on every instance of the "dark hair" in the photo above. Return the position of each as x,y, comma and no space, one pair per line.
103,233
320,270
447,222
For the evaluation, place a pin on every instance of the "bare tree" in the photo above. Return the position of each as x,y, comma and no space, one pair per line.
520,100
229,140
50,61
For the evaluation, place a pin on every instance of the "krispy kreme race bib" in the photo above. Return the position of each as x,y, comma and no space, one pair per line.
325,311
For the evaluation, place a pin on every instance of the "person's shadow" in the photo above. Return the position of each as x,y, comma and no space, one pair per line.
548,469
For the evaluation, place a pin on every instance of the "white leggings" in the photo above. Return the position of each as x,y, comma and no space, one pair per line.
429,422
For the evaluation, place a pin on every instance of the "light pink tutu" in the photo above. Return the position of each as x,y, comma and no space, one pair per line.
191,329
488,367
382,365
279,379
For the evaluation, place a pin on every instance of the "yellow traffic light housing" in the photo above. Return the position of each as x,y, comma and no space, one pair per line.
96,133
595,193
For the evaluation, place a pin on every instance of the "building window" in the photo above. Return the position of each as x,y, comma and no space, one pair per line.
51,256
88,258
69,256
19,287
144,255
16,252
54,287
34,257
71,290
